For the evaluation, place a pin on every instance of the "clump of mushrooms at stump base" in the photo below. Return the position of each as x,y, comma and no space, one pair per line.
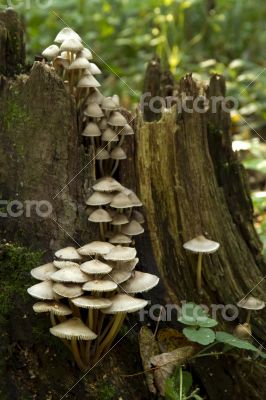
89,291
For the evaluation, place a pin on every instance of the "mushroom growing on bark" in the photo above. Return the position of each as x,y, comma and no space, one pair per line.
201,245
250,303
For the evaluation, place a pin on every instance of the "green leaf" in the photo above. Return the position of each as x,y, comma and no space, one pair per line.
227,338
172,385
202,336
194,315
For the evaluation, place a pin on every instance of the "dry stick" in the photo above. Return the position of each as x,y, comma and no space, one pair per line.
158,322
75,352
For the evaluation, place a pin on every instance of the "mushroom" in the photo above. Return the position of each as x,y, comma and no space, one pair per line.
67,33
107,184
99,199
88,81
120,201
94,70
100,216
109,135
69,290
250,303
121,305
42,291
201,245
119,253
132,229
96,248
51,52
243,331
95,267
119,238
101,285
140,282
91,130
68,253
74,329
117,119
43,272
69,274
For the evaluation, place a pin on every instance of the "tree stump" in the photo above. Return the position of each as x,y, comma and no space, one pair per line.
192,183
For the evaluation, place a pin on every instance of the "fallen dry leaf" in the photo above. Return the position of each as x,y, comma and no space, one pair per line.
165,364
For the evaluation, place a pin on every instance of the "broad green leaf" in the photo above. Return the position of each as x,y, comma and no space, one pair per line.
193,314
202,336
227,338
172,385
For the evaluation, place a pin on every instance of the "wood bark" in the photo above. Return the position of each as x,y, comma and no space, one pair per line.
42,158
192,183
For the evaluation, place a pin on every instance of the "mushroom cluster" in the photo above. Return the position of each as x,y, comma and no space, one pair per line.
102,122
88,292
111,205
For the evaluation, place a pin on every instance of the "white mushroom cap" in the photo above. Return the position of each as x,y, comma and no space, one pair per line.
91,130
132,229
86,53
120,253
95,267
64,264
101,285
68,253
54,307
123,303
51,52
119,276
91,302
42,291
61,62
88,81
119,238
251,303
121,200
95,97
70,274
140,282
117,119
99,199
101,153
100,215
73,45
108,104
93,110
120,219
103,123
201,244
125,265
134,199
79,63
96,248
118,153
94,69
109,135
43,272
107,184
116,100
68,290
67,33
127,130
73,328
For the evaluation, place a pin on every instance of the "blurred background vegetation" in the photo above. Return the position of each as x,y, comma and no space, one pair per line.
199,36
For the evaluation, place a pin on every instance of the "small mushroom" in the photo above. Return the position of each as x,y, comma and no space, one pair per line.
51,52
250,303
201,245
52,307
243,331
119,253
132,229
96,248
43,272
70,274
69,290
99,199
101,285
140,282
107,184
119,238
68,253
67,33
95,267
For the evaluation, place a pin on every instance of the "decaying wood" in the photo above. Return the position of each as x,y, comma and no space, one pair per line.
191,183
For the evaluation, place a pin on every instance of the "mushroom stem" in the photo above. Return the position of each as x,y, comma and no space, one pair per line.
119,318
87,352
75,351
90,318
102,231
116,165
52,318
248,317
101,167
199,269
